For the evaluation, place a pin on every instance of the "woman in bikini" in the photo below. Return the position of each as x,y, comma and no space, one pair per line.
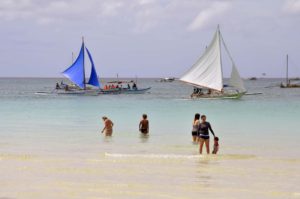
108,126
204,128
196,123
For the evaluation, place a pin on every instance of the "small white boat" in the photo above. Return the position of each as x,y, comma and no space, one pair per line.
207,74
167,79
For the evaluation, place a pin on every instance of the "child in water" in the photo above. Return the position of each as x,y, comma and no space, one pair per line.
144,125
216,145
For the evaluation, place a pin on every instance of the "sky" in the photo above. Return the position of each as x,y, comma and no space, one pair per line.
147,38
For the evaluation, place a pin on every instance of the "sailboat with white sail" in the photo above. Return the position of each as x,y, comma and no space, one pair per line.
207,74
288,83
76,74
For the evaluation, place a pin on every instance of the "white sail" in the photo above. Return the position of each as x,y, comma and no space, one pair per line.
207,71
236,80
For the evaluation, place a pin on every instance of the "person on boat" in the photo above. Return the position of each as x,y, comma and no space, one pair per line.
195,128
108,126
204,128
144,124
195,90
113,86
128,86
57,86
66,88
134,86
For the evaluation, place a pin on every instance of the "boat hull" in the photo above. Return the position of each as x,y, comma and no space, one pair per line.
125,91
137,91
218,96
78,92
290,86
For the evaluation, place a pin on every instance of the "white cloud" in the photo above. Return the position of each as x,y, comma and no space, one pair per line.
207,15
137,15
292,6
110,8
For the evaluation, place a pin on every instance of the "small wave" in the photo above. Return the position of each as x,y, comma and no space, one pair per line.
158,156
177,156
23,157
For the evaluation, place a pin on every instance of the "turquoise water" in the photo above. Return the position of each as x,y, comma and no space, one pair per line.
51,145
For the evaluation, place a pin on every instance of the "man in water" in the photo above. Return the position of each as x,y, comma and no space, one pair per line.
144,125
108,126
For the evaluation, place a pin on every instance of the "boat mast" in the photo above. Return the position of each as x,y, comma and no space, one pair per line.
84,83
287,69
219,34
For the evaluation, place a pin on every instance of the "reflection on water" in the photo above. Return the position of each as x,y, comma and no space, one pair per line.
144,138
107,138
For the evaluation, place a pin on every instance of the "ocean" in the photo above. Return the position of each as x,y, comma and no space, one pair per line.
51,146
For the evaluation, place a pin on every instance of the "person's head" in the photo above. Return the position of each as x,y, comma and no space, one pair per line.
144,116
197,116
104,118
216,139
203,118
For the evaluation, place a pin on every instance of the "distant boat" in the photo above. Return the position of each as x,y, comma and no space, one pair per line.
123,87
76,74
288,83
252,78
167,79
207,74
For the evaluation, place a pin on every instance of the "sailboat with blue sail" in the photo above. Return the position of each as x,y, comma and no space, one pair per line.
76,74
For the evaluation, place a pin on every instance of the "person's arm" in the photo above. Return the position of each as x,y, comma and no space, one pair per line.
212,132
105,124
199,127
140,125
147,125
103,129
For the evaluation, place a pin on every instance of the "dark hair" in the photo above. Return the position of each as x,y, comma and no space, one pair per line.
202,116
145,116
216,139
197,116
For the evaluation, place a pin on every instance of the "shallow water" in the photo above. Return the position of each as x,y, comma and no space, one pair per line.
51,146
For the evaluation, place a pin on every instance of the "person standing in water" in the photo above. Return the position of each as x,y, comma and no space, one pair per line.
204,128
195,129
108,126
144,124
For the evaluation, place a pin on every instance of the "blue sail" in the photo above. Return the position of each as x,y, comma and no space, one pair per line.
75,72
93,77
